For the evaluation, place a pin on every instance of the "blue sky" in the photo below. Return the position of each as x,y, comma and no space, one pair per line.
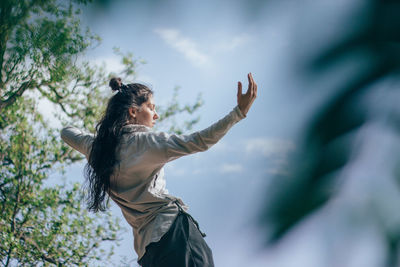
206,47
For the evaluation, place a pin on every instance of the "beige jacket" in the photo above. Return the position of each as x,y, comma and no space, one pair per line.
138,186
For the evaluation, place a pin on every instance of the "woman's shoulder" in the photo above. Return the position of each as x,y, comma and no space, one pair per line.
143,135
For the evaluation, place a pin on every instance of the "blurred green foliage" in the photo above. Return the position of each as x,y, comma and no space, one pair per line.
344,71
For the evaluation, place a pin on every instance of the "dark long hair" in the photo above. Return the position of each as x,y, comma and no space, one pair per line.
103,158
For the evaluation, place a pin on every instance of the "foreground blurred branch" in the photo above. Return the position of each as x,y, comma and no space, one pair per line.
345,70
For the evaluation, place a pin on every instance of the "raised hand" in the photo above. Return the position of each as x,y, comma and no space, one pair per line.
246,100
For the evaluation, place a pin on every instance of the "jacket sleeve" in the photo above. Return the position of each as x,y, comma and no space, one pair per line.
174,146
78,140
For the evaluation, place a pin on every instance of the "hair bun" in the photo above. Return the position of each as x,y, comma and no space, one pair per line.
115,84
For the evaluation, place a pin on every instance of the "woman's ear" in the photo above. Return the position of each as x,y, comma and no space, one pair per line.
132,112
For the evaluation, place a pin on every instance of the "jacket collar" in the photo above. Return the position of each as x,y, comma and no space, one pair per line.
135,128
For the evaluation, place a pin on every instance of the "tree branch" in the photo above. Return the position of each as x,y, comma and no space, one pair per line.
7,22
10,100
59,97
11,69
42,256
9,256
4,32
53,89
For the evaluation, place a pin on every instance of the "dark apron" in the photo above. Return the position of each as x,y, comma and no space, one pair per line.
182,246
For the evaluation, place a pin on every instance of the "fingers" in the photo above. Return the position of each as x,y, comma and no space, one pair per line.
249,78
239,93
252,85
255,90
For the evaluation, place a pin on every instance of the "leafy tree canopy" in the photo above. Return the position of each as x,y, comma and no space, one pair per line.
41,46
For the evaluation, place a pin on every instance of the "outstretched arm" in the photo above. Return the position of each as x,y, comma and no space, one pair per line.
175,146
77,139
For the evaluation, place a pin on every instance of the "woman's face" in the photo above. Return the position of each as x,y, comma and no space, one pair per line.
147,114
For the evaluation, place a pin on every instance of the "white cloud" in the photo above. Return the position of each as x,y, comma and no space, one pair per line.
224,147
235,42
191,51
268,147
276,150
111,63
231,168
184,45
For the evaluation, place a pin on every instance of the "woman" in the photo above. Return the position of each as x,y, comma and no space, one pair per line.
125,163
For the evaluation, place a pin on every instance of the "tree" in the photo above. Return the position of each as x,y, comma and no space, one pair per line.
41,46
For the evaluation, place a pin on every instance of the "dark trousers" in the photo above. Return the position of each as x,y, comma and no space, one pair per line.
182,246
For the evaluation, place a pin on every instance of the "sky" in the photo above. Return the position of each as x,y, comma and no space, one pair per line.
207,47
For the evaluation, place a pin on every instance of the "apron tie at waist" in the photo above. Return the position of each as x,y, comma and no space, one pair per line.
190,217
